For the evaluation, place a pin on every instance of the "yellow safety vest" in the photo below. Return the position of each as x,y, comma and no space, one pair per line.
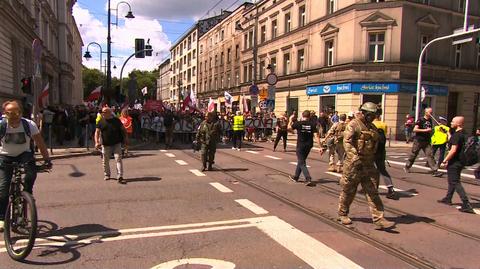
380,125
439,137
238,123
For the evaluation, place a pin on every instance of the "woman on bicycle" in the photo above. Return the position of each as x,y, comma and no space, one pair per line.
16,135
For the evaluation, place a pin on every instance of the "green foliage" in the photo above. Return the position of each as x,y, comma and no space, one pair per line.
92,78
146,79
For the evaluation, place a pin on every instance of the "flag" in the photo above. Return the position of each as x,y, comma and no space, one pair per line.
187,102
95,94
423,92
193,99
228,99
244,105
43,98
211,105
144,90
219,104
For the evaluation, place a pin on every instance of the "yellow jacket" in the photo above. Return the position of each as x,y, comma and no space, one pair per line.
440,136
380,125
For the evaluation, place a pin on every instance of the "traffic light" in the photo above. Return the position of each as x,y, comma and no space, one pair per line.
139,45
27,85
148,47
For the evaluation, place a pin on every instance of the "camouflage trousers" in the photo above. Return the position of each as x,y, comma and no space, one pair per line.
338,149
207,152
366,174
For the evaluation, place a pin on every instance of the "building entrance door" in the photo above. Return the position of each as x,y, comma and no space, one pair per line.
452,105
292,105
327,104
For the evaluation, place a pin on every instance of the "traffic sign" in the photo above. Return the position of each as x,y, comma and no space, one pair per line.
253,89
263,94
272,79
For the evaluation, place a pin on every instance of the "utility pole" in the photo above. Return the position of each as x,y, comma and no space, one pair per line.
255,51
109,54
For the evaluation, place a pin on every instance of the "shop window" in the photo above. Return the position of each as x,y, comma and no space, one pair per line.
376,47
374,98
327,104
292,105
427,102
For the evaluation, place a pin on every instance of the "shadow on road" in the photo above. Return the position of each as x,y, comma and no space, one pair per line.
142,179
61,245
234,169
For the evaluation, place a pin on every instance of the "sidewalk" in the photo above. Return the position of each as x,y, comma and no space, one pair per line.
390,143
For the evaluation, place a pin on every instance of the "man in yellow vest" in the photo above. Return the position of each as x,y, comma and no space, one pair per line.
440,138
238,130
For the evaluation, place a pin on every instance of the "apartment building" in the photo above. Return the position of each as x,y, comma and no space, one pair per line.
334,55
184,58
164,91
51,24
219,59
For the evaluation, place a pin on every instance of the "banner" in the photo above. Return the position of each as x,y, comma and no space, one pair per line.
153,105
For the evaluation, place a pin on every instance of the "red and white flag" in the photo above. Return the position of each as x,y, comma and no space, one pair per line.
43,97
95,94
211,105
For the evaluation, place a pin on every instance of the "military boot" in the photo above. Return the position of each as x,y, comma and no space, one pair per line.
331,168
384,224
345,220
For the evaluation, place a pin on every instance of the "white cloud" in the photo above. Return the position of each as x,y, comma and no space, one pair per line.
123,40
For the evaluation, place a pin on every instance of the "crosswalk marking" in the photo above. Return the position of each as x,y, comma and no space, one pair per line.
294,163
251,206
181,162
252,152
197,173
171,155
273,157
163,150
220,187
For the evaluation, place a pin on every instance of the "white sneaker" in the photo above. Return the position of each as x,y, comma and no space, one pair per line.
238,149
233,148
2,223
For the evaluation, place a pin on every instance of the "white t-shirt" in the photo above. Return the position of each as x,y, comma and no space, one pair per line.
16,141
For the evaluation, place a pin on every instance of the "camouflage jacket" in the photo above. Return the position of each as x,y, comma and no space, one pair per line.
334,134
360,140
208,133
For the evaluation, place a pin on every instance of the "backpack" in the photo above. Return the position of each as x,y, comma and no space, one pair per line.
471,151
26,127
341,126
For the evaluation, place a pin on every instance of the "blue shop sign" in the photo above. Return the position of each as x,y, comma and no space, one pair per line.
374,88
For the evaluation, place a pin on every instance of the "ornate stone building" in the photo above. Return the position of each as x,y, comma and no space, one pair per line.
164,91
56,59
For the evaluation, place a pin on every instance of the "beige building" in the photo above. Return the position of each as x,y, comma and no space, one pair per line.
52,25
334,55
164,91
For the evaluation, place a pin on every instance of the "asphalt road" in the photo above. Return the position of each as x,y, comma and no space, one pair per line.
246,214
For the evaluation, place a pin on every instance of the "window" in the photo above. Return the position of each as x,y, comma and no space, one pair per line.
245,41
302,18
250,39
263,34
194,53
200,68
250,72
262,69
216,60
210,66
376,47
461,6
301,60
273,63
221,58
331,6
274,29
245,73
222,35
205,65
237,77
229,55
424,42
194,71
288,23
458,56
286,64
329,50
237,51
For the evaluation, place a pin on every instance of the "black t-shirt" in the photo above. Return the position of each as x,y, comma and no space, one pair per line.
168,120
457,138
112,132
424,124
305,130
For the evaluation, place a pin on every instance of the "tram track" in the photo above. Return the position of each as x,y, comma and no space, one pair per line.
411,259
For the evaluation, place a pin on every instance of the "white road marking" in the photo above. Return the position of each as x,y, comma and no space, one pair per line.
428,169
292,144
273,157
181,162
171,155
197,172
294,163
210,263
163,150
220,187
252,152
251,206
311,251
334,174
476,210
398,190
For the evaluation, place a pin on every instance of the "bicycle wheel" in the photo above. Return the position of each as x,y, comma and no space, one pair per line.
20,226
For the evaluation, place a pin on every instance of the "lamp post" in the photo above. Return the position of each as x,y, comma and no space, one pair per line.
109,45
88,56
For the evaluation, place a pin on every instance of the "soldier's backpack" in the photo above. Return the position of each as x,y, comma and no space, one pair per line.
339,132
471,152
26,127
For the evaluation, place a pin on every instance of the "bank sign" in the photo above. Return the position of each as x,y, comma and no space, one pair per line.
374,88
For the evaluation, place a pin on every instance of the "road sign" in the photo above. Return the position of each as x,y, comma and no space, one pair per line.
272,79
263,104
263,94
461,41
253,89
254,101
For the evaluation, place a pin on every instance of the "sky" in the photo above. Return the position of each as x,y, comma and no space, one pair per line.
161,21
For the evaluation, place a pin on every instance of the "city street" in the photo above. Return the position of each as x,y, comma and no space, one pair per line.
245,214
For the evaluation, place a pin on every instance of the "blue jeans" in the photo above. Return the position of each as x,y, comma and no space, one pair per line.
302,154
6,177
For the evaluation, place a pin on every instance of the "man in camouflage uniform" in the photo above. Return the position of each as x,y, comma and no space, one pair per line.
334,143
208,136
360,140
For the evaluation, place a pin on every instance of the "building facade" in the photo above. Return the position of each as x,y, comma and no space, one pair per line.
184,58
334,55
56,59
164,90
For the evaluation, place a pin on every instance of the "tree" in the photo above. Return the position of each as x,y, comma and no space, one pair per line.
146,79
92,78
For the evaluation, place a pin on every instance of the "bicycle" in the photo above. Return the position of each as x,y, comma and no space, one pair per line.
21,215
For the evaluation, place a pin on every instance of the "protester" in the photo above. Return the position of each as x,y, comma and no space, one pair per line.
238,130
208,136
409,124
439,139
281,127
334,143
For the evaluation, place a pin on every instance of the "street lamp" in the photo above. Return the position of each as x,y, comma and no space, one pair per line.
109,42
88,56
